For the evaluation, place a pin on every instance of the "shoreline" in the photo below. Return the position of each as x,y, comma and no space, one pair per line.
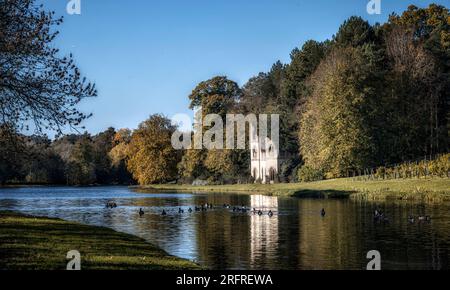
437,189
41,243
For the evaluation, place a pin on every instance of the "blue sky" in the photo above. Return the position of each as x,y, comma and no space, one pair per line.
146,56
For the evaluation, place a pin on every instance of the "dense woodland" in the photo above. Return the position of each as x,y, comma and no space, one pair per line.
370,97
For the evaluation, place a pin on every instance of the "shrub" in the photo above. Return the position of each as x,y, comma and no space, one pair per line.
307,174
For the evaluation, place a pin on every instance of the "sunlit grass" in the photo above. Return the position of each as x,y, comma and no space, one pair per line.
42,244
412,189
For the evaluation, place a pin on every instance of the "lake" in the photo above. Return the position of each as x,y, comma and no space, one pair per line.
295,237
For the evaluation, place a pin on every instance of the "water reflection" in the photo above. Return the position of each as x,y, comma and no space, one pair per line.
296,237
264,231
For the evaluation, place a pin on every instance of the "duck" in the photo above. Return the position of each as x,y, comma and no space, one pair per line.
190,210
260,212
197,208
380,217
411,219
270,213
377,215
180,210
163,212
141,212
322,212
424,218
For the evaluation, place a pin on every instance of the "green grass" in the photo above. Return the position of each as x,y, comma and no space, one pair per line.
410,189
36,243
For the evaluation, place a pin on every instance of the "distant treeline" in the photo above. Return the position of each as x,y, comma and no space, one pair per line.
370,96
72,160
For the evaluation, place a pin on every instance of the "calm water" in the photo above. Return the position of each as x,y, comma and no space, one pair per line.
296,237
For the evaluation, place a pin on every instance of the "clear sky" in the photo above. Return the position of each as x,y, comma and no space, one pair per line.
146,56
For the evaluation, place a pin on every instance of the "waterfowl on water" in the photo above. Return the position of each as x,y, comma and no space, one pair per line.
180,210
190,210
197,208
141,212
322,212
163,212
411,219
379,216
424,218
111,204
260,212
270,213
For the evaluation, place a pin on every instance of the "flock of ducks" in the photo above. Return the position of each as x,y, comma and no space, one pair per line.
378,215
209,206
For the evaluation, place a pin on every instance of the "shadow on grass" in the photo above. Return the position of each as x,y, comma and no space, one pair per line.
311,193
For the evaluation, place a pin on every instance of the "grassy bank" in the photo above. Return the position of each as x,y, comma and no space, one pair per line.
28,242
410,189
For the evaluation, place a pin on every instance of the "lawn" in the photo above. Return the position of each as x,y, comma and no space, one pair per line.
36,243
411,189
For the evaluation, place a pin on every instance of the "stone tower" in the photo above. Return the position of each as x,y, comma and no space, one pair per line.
264,158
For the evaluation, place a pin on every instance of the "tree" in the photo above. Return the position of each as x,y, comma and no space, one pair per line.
42,165
355,31
102,145
12,154
303,63
221,96
218,95
119,156
37,86
257,93
80,168
414,104
423,36
152,159
336,128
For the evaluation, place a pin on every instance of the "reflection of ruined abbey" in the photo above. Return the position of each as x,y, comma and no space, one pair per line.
264,158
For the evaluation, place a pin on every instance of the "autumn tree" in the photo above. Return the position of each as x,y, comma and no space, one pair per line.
220,96
38,87
336,128
119,156
418,48
151,157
